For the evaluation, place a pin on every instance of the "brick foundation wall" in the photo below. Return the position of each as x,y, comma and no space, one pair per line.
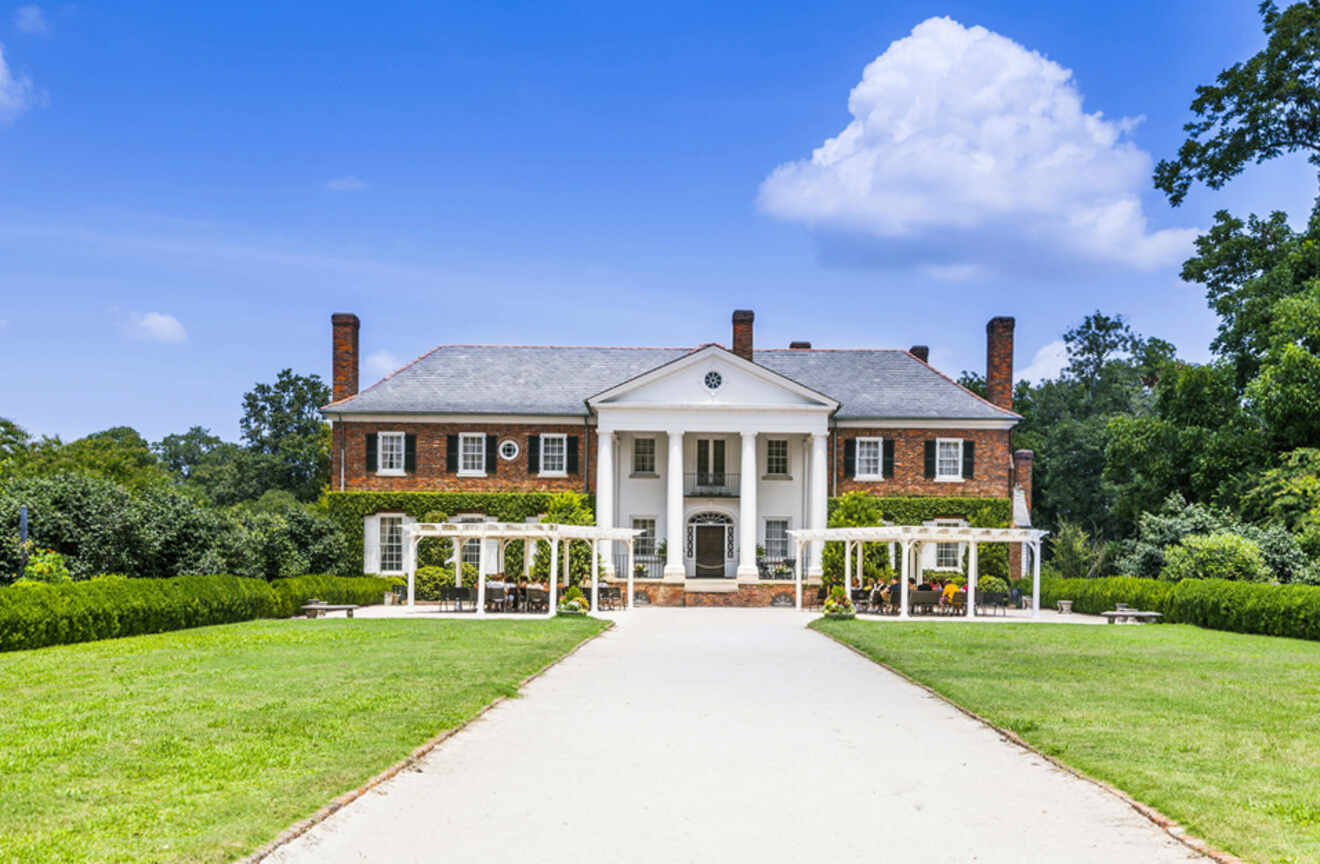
990,476
430,476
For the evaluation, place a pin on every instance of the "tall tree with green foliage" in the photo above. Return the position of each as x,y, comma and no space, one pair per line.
282,420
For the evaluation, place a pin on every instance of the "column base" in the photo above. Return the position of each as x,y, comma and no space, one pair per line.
748,573
815,573
675,573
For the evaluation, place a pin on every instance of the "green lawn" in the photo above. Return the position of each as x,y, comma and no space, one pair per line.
1219,731
201,745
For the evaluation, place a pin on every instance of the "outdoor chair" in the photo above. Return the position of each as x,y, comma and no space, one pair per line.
959,604
923,601
861,599
538,600
496,598
461,596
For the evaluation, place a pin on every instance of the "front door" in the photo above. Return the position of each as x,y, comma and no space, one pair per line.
710,550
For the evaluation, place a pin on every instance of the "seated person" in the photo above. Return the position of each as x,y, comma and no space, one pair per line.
949,591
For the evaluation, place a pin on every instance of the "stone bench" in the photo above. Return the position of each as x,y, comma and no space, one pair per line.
316,610
1130,615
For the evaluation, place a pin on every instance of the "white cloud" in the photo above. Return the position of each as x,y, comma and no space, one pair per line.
16,92
348,183
382,363
30,19
966,149
158,327
1048,363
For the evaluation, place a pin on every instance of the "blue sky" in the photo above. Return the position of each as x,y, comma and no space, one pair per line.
188,193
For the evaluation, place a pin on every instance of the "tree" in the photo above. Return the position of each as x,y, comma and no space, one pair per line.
14,441
282,420
119,454
1256,110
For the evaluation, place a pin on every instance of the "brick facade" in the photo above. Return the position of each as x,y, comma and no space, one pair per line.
991,476
431,476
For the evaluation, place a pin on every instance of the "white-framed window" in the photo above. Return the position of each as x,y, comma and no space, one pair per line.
472,453
870,458
643,455
472,548
508,449
948,459
389,452
391,544
554,455
948,556
645,542
776,457
776,537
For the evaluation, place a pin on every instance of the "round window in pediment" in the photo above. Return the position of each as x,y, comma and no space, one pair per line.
714,380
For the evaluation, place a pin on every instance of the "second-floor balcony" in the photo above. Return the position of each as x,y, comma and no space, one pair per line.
711,484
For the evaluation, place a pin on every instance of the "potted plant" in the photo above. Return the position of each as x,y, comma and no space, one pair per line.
838,607
573,602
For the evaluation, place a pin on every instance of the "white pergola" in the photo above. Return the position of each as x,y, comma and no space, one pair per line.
530,533
912,537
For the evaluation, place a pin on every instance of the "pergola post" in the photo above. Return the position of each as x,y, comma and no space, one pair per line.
631,567
412,571
971,580
529,547
847,567
1035,579
903,579
458,561
554,576
595,567
861,564
481,575
568,571
797,573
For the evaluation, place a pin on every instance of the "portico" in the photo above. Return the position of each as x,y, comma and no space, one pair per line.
731,456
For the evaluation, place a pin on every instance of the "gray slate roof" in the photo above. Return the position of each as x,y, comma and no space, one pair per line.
500,379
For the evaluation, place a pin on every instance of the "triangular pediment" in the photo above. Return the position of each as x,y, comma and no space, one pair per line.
716,377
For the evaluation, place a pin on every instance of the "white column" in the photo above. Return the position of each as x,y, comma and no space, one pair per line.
481,578
605,490
631,567
554,577
674,508
797,572
847,567
595,573
971,581
1035,579
457,545
903,579
861,564
747,508
529,552
819,503
412,571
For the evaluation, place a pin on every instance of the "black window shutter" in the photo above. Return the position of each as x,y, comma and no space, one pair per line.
491,456
969,459
850,457
410,453
451,454
571,456
533,454
930,460
887,469
371,451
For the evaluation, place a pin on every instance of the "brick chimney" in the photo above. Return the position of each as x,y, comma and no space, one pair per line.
921,352
1022,460
742,332
344,354
999,361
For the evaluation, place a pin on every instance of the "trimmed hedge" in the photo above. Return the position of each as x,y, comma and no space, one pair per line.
1217,604
914,510
34,615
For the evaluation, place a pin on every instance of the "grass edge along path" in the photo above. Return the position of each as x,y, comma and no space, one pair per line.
198,746
300,828
1256,843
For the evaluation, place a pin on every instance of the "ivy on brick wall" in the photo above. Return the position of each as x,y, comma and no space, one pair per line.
913,510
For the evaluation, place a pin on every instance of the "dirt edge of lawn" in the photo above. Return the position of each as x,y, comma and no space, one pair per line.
1169,826
301,827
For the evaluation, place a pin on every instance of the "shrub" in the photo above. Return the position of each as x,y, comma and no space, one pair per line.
1244,607
839,605
430,580
34,615
46,565
991,584
1075,554
1094,596
574,602
1215,556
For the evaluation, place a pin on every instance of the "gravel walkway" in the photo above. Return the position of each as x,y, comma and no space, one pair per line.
730,735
